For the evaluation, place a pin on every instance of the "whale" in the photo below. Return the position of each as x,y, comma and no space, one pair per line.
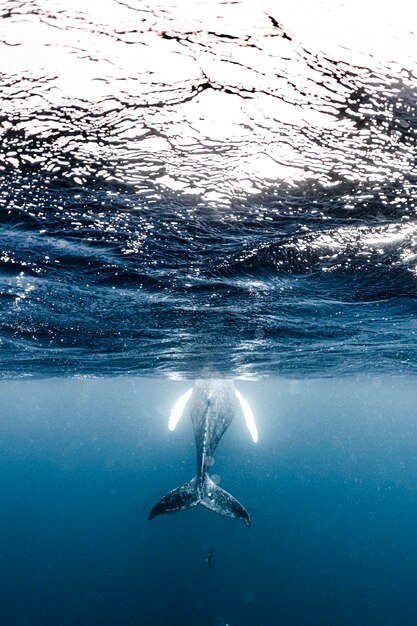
213,405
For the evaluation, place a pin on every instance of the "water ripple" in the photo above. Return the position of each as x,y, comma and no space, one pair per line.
186,187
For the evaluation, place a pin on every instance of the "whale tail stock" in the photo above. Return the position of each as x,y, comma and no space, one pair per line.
208,494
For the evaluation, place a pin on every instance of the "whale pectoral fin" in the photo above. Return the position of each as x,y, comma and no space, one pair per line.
221,502
178,409
178,499
248,415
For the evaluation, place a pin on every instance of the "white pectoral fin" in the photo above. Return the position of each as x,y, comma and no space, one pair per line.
248,415
178,409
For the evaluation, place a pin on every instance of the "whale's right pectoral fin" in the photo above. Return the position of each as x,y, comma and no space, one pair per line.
248,415
179,499
178,409
220,501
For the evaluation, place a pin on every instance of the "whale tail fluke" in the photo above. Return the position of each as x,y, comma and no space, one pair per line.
221,502
209,495
179,499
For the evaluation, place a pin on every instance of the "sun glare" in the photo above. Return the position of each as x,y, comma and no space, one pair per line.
178,409
249,417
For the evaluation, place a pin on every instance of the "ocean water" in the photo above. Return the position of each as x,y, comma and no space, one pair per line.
331,488
208,189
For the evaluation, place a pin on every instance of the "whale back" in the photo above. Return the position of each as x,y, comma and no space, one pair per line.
213,406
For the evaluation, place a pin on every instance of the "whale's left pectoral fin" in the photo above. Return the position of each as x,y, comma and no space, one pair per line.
248,415
178,409
222,502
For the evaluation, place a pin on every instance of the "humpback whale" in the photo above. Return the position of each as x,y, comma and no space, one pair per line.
214,403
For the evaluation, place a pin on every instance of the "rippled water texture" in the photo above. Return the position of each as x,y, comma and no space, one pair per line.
191,186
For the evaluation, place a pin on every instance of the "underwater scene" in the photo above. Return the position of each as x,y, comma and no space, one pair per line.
330,488
208,313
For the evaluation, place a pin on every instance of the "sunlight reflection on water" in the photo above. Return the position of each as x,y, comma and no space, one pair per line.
232,97
193,184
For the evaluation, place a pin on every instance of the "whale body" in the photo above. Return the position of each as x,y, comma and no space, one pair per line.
214,403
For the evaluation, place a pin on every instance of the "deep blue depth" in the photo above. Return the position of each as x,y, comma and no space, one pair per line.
331,489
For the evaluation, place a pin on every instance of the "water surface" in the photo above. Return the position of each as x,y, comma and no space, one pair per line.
207,187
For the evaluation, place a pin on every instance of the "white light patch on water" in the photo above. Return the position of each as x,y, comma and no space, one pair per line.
24,286
236,96
178,409
355,30
363,239
248,415
364,242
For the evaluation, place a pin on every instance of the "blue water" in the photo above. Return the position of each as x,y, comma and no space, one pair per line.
331,488
199,190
